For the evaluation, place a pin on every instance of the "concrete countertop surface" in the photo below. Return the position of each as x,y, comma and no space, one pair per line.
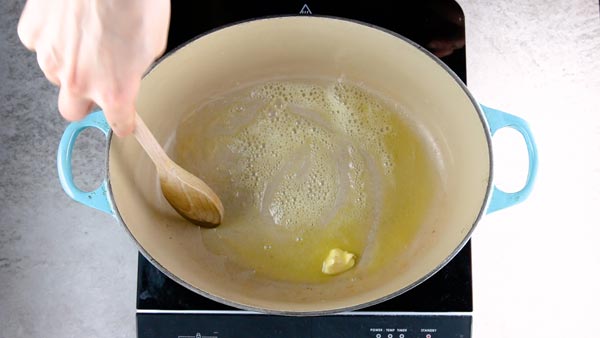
69,271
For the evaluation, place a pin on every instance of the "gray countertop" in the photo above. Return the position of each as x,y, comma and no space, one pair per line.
65,270
69,271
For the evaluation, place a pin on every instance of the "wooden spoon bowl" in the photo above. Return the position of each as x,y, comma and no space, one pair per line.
193,199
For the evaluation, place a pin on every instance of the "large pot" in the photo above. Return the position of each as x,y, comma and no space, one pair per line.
460,129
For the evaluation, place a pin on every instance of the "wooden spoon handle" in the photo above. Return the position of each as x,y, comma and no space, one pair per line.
150,145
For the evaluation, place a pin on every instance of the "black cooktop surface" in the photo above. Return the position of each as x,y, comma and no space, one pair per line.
449,290
439,307
437,25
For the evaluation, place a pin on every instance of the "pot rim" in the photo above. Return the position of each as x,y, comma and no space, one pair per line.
464,241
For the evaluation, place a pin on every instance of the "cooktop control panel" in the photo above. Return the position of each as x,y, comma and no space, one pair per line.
351,325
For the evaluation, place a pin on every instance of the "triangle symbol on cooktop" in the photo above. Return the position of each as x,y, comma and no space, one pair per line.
305,10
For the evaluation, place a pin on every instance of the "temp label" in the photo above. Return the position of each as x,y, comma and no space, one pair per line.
157,325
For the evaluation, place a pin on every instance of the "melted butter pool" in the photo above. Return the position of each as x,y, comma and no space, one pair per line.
303,167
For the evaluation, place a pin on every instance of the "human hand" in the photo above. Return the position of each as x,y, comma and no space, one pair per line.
452,29
96,51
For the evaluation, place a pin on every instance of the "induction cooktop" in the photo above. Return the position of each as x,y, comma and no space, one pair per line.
439,307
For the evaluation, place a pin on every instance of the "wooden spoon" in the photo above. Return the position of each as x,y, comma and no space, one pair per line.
187,194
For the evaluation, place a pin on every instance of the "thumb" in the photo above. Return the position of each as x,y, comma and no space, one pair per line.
121,118
119,108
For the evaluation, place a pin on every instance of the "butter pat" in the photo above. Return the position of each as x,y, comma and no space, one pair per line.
338,261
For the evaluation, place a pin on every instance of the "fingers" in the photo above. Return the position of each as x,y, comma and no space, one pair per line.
118,103
30,24
158,21
445,47
121,118
72,106
95,53
49,65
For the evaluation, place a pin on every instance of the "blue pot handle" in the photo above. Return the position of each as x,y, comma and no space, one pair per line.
98,198
496,120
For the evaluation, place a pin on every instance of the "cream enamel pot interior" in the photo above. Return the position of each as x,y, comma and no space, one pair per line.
459,130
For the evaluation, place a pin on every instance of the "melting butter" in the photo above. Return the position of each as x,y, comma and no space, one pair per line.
319,160
338,261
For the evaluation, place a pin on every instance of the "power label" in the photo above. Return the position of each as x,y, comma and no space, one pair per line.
203,325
